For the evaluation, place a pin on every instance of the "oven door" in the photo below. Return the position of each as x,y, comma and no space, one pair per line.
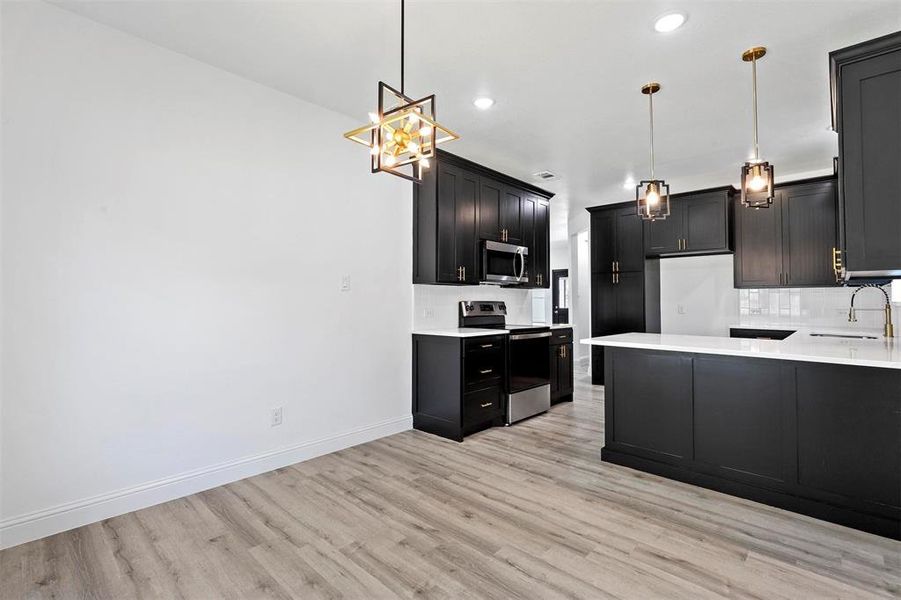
530,364
504,263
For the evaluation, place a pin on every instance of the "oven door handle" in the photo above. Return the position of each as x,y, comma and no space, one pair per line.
530,336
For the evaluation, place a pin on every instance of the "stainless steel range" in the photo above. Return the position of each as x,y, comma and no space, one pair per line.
528,384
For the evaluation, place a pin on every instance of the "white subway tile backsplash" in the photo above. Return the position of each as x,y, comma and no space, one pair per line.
436,306
809,306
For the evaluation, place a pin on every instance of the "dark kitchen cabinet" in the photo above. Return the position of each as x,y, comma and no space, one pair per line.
561,357
539,250
490,194
616,239
625,287
789,244
699,223
458,384
866,95
458,205
819,439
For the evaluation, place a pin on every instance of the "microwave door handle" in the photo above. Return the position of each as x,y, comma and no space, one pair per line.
522,263
514,264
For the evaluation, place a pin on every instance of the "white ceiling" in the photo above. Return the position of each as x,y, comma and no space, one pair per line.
565,74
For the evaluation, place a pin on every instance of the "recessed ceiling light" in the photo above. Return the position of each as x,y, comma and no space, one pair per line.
483,102
629,183
669,22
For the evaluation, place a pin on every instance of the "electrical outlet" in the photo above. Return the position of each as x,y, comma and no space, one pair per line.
345,283
680,309
275,417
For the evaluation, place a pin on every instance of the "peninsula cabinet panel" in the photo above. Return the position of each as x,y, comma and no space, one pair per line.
740,418
847,416
820,439
654,417
866,87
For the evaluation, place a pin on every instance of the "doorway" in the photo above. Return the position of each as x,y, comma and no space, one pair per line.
560,296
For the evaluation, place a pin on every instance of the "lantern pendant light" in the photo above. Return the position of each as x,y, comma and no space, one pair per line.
403,135
756,174
654,206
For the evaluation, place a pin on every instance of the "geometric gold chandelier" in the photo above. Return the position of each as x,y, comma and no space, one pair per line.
403,135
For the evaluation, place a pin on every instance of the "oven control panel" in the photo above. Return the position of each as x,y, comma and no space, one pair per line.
482,308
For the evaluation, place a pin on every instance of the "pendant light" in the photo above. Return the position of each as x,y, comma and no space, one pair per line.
756,174
654,206
403,135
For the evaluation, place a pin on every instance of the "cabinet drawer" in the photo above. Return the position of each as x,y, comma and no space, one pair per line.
561,336
482,405
494,343
482,368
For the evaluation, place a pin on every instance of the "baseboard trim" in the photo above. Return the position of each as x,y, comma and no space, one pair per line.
39,524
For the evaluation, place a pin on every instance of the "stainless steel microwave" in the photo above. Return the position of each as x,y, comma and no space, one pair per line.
504,264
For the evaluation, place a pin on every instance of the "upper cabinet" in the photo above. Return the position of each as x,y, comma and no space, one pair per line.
616,240
791,243
461,204
699,223
866,96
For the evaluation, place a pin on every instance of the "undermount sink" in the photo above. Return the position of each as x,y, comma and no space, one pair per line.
848,336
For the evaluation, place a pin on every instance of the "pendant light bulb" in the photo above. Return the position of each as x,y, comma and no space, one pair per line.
655,203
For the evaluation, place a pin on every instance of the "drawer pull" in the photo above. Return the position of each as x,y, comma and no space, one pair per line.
486,371
487,404
562,337
487,346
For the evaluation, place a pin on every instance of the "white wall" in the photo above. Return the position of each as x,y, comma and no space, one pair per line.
173,243
697,296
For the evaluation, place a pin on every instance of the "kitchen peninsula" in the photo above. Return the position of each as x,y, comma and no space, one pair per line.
810,424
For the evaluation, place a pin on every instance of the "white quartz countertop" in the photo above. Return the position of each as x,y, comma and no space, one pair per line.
467,332
461,332
800,346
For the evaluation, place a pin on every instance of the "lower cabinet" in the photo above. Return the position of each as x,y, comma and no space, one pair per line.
819,439
561,357
458,384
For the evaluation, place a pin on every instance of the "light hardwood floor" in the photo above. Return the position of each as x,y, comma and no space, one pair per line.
522,512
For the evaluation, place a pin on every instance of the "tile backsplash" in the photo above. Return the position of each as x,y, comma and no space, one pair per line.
436,306
823,307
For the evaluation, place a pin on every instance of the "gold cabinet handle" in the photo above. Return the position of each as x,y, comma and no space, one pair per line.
613,277
487,346
459,273
613,266
487,404
486,371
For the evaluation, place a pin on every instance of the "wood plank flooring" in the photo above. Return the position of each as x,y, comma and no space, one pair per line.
522,512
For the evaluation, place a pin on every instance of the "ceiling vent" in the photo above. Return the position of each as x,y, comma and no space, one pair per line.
544,176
